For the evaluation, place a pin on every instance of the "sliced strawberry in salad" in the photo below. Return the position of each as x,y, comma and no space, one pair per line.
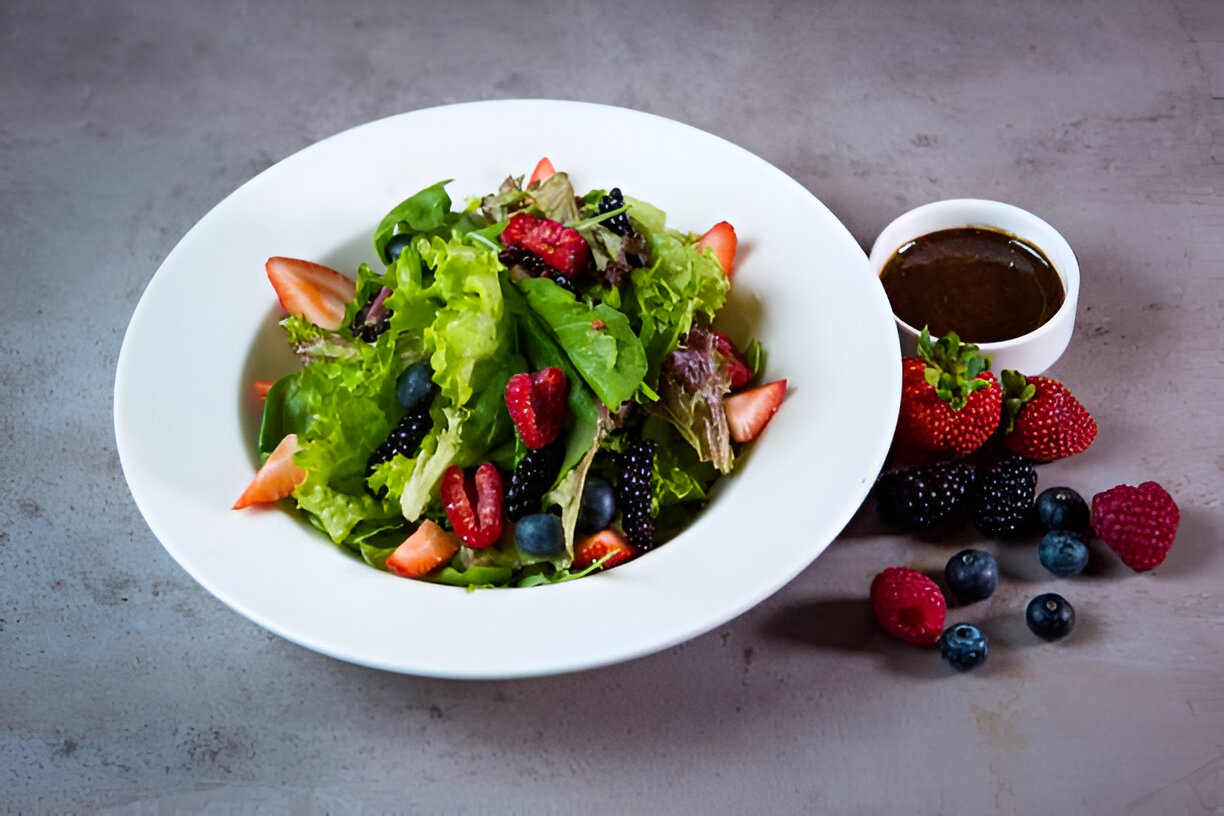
562,248
722,239
276,478
474,504
543,170
737,366
603,544
748,412
311,291
428,548
536,403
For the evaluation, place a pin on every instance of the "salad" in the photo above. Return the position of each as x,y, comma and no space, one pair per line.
531,389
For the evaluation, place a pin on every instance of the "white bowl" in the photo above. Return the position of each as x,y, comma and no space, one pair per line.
1030,353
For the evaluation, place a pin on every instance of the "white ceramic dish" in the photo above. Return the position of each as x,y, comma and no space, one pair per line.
1030,353
206,327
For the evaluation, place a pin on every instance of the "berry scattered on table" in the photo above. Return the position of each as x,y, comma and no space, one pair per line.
597,507
1063,553
536,403
908,605
950,402
920,497
1050,616
635,492
963,646
540,534
1001,500
1137,523
473,504
618,223
1043,421
414,385
1061,508
972,575
531,479
604,544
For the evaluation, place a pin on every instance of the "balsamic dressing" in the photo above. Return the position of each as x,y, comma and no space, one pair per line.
983,284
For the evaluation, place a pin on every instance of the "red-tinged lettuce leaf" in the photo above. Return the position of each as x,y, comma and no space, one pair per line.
692,382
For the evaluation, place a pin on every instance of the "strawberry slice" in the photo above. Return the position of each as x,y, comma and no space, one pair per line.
562,248
312,291
277,476
424,551
543,170
737,366
720,238
748,412
261,388
481,525
589,549
536,403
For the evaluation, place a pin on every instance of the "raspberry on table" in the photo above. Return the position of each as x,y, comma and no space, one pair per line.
908,605
1137,523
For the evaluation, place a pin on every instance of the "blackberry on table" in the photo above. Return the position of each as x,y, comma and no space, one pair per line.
1001,500
532,477
618,223
404,439
634,493
920,497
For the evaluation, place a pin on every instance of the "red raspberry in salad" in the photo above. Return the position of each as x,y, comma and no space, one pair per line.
536,403
1137,523
908,605
474,504
737,367
562,248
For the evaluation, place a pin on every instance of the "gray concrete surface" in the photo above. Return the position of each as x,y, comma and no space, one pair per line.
125,688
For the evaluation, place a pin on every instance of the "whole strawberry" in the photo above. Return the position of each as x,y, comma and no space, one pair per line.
908,605
950,402
1043,421
1137,523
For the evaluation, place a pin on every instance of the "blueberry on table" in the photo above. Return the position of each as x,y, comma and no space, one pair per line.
963,646
414,385
540,534
1063,553
972,575
1061,508
597,506
1050,616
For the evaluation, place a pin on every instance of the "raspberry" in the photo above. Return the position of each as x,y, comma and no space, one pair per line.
634,493
536,403
908,605
1137,523
920,497
1001,501
532,477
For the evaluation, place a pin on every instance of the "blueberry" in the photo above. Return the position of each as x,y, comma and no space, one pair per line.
1063,553
1049,616
964,646
597,507
395,247
414,385
972,575
540,534
1061,508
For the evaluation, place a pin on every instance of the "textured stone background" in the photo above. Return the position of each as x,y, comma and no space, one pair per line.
125,688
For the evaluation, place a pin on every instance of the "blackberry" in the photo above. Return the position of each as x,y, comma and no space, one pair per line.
618,223
1001,500
561,280
372,319
634,493
920,497
532,477
527,260
404,439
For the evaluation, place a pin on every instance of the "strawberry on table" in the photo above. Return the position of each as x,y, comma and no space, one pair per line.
1137,523
312,291
721,238
276,478
950,402
536,403
428,548
1044,422
748,412
605,543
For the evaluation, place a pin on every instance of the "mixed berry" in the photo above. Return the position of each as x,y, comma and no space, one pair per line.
966,452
